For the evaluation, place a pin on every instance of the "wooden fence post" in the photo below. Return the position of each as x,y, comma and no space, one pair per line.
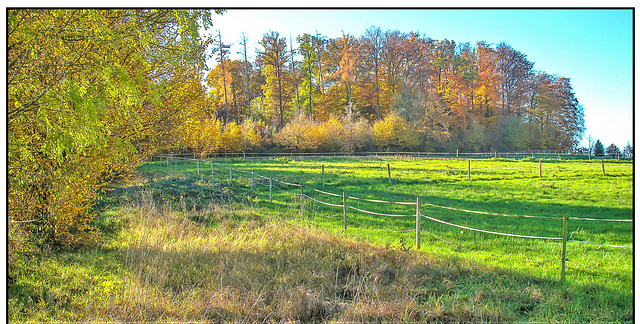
230,174
389,172
252,185
323,175
185,164
212,174
344,210
469,170
540,172
564,246
603,167
270,185
457,154
198,165
418,223
301,199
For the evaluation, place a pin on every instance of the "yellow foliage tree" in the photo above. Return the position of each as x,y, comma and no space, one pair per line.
232,138
394,132
252,134
297,134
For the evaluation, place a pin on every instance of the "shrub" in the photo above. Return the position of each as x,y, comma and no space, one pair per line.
232,138
297,134
393,132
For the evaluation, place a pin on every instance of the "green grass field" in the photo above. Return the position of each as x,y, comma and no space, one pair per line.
186,246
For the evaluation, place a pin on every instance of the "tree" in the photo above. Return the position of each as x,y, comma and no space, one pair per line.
373,44
274,58
612,150
89,93
222,51
598,148
348,58
247,71
628,151
309,46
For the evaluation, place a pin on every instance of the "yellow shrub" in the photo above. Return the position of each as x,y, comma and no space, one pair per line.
252,134
297,135
231,139
393,132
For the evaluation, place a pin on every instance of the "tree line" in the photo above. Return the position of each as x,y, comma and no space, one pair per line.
481,97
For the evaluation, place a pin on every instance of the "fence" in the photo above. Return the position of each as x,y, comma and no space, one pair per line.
404,154
256,179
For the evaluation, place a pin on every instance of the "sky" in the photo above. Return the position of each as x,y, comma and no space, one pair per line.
594,48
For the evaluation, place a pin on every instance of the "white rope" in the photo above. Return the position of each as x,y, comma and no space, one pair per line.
380,229
322,202
489,213
383,201
327,193
263,177
287,183
379,214
600,244
490,232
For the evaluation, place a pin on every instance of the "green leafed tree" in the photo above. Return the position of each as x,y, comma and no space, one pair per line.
88,94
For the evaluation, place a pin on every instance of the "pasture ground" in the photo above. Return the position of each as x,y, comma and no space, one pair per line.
183,246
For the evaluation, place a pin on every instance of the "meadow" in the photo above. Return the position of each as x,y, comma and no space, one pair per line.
182,244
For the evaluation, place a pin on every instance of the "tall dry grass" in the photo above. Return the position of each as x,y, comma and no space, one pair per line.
229,263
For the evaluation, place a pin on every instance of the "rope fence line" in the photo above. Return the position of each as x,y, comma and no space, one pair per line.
428,204
383,201
418,214
327,193
378,214
489,213
380,229
322,202
490,232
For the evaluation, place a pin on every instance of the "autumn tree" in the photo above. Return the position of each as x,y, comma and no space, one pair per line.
274,58
372,43
86,94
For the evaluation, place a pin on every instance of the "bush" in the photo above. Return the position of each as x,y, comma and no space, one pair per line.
394,132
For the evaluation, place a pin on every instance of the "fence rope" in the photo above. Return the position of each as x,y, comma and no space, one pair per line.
600,244
383,201
322,202
527,216
380,229
489,213
327,193
379,214
287,183
490,232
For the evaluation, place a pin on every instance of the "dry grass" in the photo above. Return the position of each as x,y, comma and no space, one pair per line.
229,264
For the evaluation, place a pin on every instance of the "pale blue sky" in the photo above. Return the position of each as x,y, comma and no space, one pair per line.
592,47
